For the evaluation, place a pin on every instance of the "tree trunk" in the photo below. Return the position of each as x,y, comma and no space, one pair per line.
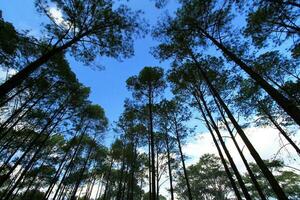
79,179
182,161
119,193
5,101
153,195
19,111
31,145
287,105
149,164
71,161
98,190
23,74
35,155
157,173
235,169
285,135
107,180
252,176
233,184
273,182
169,166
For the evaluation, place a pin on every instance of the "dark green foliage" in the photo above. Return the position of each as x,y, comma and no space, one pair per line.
208,180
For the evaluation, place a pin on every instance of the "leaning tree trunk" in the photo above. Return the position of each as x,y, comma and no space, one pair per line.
32,144
70,163
23,74
182,161
34,158
285,135
169,166
79,179
58,171
267,173
229,175
287,105
235,169
251,174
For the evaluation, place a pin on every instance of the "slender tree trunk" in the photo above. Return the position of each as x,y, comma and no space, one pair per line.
61,193
119,193
70,163
251,174
24,105
273,182
34,158
3,134
98,189
17,111
17,148
182,161
5,101
149,164
132,173
32,181
140,193
286,92
235,169
285,135
23,74
233,184
7,175
169,166
58,171
10,139
88,194
287,105
153,195
124,185
79,179
107,180
157,174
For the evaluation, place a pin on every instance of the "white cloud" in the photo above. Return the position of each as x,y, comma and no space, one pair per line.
265,140
5,74
57,15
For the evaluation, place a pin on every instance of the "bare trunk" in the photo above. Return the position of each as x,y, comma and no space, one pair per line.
267,173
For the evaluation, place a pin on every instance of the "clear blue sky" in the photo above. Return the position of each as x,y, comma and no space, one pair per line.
108,86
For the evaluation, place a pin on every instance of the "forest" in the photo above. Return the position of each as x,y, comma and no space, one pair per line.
233,66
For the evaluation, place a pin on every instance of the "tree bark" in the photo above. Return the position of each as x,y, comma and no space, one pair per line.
71,161
235,169
287,105
169,166
153,195
285,135
273,182
229,175
251,174
23,74
182,161
7,175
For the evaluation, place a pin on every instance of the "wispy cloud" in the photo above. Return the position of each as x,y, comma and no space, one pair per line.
58,18
266,141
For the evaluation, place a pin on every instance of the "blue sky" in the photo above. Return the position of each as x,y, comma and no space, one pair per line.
108,87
